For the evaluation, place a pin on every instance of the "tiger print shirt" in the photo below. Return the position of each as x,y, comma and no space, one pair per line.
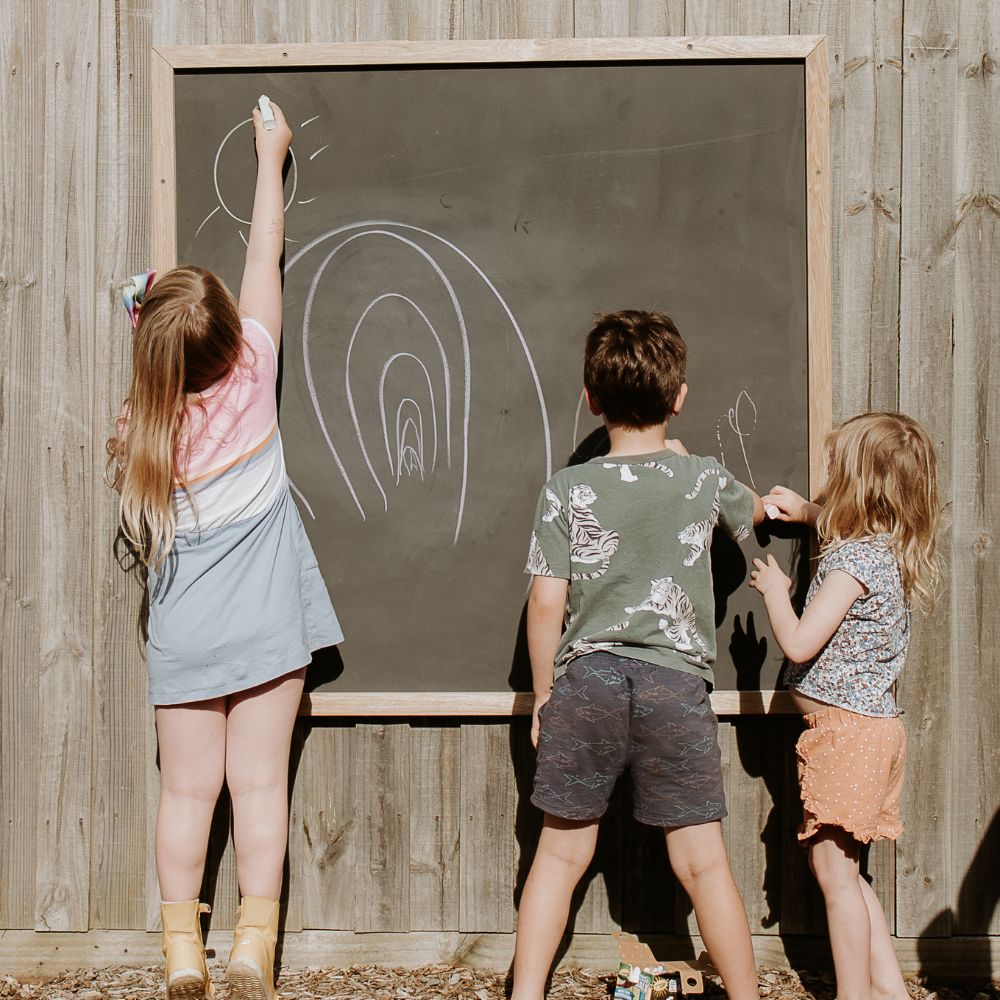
632,536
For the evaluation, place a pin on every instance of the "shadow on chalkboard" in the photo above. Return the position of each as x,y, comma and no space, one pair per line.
325,667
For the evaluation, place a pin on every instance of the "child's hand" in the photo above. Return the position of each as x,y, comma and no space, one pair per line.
791,506
535,725
272,145
674,444
767,576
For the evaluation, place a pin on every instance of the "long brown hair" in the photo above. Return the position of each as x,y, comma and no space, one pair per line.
883,479
187,338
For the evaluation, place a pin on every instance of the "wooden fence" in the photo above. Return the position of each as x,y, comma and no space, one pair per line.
410,840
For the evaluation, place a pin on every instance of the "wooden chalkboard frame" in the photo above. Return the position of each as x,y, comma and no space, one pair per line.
810,50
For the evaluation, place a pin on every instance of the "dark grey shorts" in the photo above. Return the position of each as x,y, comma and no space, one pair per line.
610,712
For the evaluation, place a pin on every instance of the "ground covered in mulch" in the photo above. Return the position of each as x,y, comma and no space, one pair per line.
431,982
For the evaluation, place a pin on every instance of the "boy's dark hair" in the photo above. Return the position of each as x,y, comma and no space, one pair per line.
634,365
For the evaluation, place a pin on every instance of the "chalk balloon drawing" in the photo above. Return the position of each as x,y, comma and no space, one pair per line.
401,335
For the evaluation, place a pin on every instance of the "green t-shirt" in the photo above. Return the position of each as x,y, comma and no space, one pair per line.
632,536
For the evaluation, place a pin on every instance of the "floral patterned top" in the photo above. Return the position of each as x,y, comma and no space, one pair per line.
858,666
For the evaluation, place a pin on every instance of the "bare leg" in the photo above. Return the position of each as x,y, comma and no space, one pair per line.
833,857
258,738
698,858
565,849
192,742
886,979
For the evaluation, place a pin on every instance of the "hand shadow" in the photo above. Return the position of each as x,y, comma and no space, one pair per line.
749,653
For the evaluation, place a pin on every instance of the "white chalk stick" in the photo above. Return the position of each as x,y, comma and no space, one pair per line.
771,511
266,114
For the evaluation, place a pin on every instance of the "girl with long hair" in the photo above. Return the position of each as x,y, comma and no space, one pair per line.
877,527
236,601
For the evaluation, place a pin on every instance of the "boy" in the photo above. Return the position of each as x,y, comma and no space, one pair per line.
620,548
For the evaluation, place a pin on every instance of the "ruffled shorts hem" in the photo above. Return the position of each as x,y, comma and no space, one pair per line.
811,825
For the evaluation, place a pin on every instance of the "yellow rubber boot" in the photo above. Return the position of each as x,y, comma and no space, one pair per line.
251,962
183,951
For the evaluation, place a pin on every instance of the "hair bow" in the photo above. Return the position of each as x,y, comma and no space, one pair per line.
133,293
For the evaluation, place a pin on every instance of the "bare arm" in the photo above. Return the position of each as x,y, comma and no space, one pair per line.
802,638
792,507
546,608
260,291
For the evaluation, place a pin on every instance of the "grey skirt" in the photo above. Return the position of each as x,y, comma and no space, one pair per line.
236,606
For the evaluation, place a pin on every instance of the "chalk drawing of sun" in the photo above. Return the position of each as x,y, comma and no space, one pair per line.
230,182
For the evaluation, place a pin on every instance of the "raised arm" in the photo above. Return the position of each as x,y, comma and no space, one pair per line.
260,291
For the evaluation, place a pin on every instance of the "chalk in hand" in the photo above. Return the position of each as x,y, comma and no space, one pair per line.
771,511
266,114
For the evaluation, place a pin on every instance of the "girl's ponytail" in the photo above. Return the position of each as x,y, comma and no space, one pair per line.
187,338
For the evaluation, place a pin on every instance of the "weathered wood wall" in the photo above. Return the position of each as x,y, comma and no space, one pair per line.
416,827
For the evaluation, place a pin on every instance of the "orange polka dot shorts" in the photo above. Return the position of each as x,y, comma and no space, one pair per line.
851,774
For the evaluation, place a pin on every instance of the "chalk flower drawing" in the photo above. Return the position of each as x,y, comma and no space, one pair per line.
219,183
742,420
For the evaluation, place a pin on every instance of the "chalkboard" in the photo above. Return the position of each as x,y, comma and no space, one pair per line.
451,230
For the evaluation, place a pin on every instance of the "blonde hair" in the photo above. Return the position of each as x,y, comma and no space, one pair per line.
187,338
883,479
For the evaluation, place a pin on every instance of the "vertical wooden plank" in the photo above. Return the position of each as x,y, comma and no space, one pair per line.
866,207
292,907
755,792
656,17
280,21
649,897
64,393
527,818
324,831
536,19
926,376
975,567
435,820
379,20
179,22
118,854
736,17
881,869
819,275
330,22
802,910
598,901
487,832
22,94
827,17
601,18
684,918
220,886
229,22
175,22
383,783
480,19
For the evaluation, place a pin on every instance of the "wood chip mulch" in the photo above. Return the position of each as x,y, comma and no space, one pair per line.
431,982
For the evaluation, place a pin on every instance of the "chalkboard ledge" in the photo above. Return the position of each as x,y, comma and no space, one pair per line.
320,704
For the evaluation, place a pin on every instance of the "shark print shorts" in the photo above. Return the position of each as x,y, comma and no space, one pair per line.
608,713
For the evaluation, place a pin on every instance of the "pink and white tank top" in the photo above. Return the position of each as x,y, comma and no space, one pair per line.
235,468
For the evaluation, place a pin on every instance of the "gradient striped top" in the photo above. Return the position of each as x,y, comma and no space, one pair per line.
235,467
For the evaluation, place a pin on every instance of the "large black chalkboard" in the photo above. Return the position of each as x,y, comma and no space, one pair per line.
451,232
